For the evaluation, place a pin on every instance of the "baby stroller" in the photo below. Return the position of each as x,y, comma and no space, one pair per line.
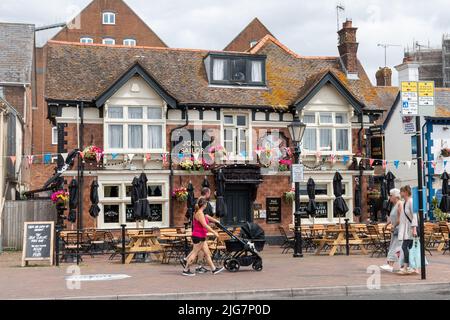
244,251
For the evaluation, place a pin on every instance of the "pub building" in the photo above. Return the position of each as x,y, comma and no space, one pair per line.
150,109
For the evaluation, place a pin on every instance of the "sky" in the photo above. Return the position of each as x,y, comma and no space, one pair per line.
306,27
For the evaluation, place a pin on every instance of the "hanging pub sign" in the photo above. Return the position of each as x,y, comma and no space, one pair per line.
38,242
377,147
321,210
376,130
273,210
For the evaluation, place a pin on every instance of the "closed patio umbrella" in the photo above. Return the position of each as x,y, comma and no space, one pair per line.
390,181
135,198
205,183
95,209
190,202
73,201
339,205
445,201
311,190
143,197
384,192
221,206
357,209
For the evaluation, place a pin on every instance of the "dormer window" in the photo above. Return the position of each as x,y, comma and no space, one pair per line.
109,41
129,42
109,18
236,70
86,40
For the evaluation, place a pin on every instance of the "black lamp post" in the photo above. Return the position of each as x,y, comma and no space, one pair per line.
297,130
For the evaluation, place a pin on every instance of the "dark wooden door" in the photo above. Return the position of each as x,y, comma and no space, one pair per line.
237,198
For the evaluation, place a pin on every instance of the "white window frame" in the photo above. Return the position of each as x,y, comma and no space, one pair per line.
130,42
122,201
54,136
86,40
333,126
104,40
125,122
106,18
237,129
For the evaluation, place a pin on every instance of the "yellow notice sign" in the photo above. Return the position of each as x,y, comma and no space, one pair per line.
409,86
426,89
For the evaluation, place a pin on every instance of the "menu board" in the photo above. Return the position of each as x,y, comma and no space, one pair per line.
273,210
38,241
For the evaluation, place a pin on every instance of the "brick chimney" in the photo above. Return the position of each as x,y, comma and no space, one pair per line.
384,77
348,49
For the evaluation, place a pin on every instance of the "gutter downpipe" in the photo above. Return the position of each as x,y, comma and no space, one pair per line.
170,157
2,195
360,169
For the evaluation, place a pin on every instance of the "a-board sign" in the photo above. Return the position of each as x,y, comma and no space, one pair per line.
38,242
273,210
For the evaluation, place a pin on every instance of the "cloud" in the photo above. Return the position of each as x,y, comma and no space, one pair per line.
307,27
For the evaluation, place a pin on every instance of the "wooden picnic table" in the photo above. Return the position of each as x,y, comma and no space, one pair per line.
335,237
143,243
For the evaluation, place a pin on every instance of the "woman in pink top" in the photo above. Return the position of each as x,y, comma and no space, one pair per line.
200,229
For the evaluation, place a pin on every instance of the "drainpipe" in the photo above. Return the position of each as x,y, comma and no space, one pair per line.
2,198
360,169
170,158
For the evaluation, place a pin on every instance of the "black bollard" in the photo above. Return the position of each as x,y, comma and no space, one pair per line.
123,243
347,244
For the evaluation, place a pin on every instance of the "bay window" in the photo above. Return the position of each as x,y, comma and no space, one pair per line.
134,129
327,132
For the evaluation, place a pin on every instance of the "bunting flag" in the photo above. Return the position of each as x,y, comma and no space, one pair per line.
98,156
371,161
333,159
346,159
130,157
396,163
244,154
64,156
30,160
409,163
180,156
445,164
384,164
114,155
358,160
81,154
196,155
47,158
164,158
13,159
258,152
148,157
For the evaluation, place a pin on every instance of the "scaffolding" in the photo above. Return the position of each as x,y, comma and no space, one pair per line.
446,60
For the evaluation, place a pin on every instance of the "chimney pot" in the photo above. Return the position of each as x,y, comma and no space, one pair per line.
384,77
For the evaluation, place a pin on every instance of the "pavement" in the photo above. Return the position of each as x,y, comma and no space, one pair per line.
283,277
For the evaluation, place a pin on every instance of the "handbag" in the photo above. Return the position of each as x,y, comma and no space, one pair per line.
414,255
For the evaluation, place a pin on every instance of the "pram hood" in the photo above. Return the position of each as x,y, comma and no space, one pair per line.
252,231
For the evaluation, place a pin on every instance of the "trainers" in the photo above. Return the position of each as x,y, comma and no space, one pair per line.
387,268
201,270
411,270
188,273
183,262
218,270
403,271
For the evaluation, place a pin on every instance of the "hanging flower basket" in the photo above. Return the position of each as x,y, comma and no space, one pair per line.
284,165
60,198
93,153
180,194
289,196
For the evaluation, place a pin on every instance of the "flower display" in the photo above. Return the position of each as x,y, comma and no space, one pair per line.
284,164
60,196
189,164
289,196
180,194
93,153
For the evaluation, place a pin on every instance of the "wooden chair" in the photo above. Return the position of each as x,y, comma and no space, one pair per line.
288,241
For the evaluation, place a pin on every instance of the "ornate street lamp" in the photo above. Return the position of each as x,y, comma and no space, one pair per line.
297,130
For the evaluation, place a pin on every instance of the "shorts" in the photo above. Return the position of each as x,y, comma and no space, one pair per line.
197,240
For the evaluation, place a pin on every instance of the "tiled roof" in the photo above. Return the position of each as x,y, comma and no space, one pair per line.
83,72
254,31
16,52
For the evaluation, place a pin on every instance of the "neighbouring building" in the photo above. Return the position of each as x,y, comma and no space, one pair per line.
249,36
151,109
109,22
17,81
434,63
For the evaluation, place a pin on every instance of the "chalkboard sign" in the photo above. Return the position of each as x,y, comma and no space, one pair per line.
273,210
38,241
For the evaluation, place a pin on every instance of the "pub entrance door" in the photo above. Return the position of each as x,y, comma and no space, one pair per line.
239,204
